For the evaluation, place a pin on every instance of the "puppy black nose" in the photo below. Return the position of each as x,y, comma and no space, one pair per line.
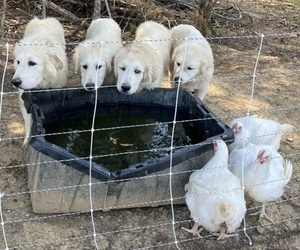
16,82
177,79
125,87
90,86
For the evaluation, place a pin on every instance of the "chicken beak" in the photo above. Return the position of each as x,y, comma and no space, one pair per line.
235,128
260,158
215,145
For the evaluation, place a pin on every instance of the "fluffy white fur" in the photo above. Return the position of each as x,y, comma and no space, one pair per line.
94,56
143,63
192,63
40,60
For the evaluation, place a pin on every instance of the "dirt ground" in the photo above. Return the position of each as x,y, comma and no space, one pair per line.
276,96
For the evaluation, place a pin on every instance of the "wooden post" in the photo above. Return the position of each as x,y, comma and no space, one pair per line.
97,9
44,8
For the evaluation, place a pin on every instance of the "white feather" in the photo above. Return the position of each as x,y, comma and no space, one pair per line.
265,180
258,131
214,195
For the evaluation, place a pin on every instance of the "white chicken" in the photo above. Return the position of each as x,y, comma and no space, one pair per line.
266,178
215,197
241,158
257,131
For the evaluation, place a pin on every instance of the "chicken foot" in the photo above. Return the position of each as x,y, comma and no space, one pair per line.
262,213
195,231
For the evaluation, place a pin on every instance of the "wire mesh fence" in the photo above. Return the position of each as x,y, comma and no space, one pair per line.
256,73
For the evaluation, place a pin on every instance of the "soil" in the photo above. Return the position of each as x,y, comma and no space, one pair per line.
236,46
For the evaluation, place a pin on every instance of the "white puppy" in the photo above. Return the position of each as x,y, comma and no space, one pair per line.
40,60
94,56
192,63
143,63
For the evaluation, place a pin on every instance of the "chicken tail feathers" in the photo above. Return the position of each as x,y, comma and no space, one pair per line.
186,187
287,128
288,169
224,210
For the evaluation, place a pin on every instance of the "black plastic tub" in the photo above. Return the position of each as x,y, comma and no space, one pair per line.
58,179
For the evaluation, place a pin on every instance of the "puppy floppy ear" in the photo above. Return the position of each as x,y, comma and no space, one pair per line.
56,61
148,75
50,69
115,66
177,53
76,60
15,64
206,69
173,55
203,67
109,64
171,64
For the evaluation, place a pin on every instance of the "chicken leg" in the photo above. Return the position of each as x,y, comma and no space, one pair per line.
195,231
262,213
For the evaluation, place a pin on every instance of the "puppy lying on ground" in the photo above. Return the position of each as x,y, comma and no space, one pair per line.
40,60
192,63
94,56
143,63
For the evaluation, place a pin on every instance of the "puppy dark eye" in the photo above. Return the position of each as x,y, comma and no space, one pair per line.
123,68
98,66
18,62
31,63
189,68
137,71
84,66
178,64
